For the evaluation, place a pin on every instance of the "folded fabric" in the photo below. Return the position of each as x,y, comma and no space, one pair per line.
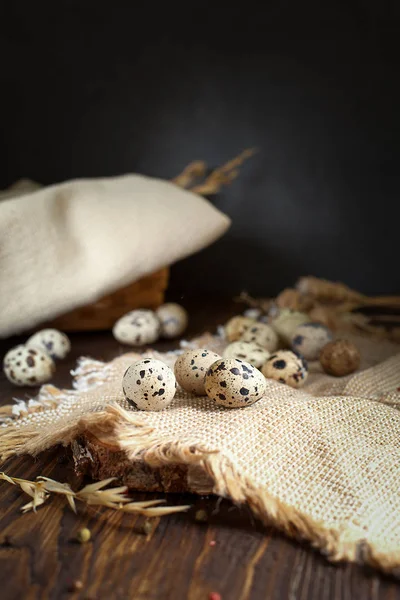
69,244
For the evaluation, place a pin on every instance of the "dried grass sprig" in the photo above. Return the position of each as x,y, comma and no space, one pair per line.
223,175
92,494
195,170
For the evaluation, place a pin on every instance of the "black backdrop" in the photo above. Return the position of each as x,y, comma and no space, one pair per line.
94,88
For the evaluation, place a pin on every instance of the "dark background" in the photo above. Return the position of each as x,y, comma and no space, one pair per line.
102,88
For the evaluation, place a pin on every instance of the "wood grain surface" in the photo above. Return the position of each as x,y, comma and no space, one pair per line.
40,559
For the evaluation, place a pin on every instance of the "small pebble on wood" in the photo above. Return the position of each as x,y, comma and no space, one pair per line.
340,358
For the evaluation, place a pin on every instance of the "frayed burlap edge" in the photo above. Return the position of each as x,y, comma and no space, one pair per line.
139,440
231,483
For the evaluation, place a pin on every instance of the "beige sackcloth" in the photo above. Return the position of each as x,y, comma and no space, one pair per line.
321,463
67,245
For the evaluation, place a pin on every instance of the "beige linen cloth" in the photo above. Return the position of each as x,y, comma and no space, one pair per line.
321,463
67,245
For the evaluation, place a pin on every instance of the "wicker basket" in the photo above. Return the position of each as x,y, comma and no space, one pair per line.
147,292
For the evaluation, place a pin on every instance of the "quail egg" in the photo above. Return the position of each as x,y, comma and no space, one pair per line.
236,326
28,366
55,343
309,339
261,334
286,321
191,367
173,319
233,383
149,384
137,328
250,352
287,367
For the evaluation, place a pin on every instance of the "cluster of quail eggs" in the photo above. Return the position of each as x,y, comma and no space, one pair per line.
282,344
144,326
149,384
256,351
33,363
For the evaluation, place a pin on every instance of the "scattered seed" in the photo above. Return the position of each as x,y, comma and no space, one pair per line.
83,535
201,516
147,527
214,596
212,543
76,586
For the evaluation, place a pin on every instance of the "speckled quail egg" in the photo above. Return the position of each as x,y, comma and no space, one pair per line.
261,334
232,383
286,321
137,328
309,339
236,326
149,384
191,367
287,367
250,352
173,320
28,366
55,343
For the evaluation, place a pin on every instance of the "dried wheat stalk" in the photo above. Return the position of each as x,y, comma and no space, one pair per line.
223,175
195,170
92,494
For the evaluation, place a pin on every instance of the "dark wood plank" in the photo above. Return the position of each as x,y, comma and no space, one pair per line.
40,560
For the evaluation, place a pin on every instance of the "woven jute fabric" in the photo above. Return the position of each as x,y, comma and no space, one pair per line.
321,463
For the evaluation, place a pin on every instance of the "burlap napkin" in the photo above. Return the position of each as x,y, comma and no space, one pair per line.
322,463
67,245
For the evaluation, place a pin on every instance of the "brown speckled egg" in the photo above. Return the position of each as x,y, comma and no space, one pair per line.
233,383
309,339
191,367
236,326
263,335
250,352
55,343
340,358
149,384
287,367
173,320
137,328
28,366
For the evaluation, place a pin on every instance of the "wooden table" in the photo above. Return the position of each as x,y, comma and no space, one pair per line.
40,560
